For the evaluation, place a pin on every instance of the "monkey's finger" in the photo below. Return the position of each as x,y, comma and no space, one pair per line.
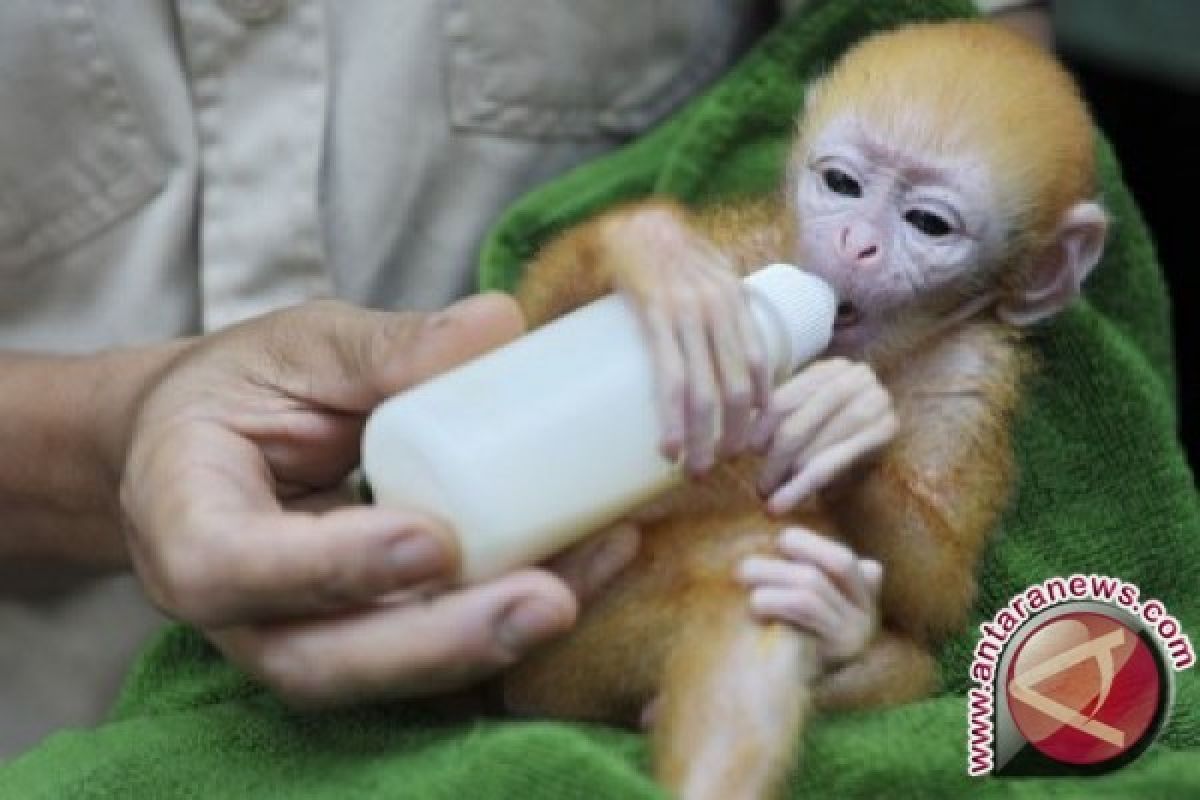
794,392
817,474
837,561
754,352
869,408
806,610
702,425
762,572
670,381
738,390
803,425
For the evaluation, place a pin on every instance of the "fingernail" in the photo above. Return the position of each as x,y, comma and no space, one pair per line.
527,624
621,546
418,556
777,506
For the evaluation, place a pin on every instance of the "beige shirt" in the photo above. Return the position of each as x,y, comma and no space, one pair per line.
169,168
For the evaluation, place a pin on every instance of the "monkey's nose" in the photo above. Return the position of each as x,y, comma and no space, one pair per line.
858,245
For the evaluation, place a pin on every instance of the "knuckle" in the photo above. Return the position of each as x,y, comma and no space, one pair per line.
399,332
740,396
843,562
187,583
807,577
863,374
337,585
800,607
288,669
792,429
701,406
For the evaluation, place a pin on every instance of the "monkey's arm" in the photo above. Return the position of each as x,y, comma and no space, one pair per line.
581,264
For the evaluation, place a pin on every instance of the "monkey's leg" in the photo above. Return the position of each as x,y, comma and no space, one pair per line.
895,669
735,697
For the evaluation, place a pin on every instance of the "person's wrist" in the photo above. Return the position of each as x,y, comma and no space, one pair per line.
120,380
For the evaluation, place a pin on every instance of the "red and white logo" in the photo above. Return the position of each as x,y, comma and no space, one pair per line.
1084,688
1072,677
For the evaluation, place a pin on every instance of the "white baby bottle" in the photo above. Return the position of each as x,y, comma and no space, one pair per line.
534,445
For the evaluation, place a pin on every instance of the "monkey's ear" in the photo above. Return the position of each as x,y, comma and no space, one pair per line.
1056,278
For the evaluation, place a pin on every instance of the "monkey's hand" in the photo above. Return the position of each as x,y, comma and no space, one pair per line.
712,372
820,586
827,418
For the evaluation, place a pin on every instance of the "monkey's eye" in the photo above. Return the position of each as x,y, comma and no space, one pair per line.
841,183
927,222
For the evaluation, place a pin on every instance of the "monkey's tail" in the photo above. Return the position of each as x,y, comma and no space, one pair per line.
736,695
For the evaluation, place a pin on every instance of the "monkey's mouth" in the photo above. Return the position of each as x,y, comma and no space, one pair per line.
848,316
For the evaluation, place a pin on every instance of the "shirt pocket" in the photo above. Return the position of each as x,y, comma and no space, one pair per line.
584,68
73,155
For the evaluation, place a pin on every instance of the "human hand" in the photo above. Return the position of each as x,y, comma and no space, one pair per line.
828,417
425,640
235,522
819,586
711,367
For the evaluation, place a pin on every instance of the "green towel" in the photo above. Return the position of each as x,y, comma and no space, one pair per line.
1104,488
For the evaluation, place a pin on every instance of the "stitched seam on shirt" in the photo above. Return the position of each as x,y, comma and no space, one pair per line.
111,173
472,109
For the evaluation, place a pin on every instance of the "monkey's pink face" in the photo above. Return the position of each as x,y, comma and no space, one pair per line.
886,224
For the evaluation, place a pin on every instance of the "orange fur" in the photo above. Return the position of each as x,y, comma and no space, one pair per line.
736,694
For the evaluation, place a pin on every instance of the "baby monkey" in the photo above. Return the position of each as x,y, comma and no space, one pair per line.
941,181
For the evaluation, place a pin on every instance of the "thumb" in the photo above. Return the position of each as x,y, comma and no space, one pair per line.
379,353
400,353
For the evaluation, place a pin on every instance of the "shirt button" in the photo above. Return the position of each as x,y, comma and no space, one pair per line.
253,11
